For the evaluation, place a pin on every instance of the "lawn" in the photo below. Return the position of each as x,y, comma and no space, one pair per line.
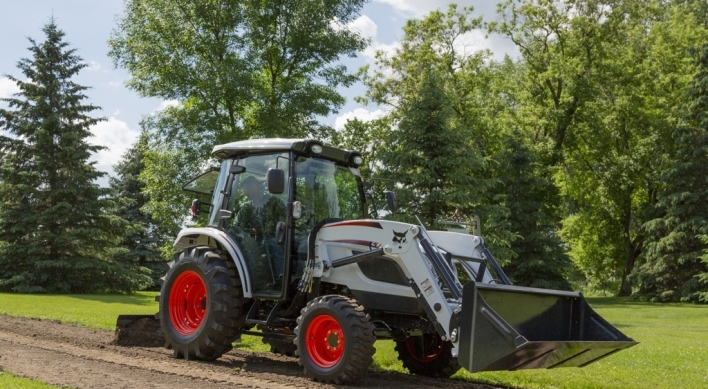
673,351
8,381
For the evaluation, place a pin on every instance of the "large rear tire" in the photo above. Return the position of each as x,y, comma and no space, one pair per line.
427,355
200,304
334,339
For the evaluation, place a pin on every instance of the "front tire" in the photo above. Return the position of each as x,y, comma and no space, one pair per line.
334,339
427,355
200,304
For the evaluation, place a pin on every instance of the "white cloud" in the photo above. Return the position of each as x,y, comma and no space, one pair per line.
115,83
93,66
166,104
7,88
117,137
419,8
362,114
116,113
388,49
369,29
365,26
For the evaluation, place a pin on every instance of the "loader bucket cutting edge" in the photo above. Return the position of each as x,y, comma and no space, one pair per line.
139,330
506,327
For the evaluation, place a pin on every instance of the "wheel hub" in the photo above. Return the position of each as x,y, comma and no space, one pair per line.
332,340
187,302
325,341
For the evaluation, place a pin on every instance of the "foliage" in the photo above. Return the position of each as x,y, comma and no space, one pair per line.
672,262
703,277
527,191
143,238
439,133
264,68
55,224
598,100
427,157
239,70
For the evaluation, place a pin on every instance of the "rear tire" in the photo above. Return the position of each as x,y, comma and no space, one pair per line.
334,339
200,304
427,355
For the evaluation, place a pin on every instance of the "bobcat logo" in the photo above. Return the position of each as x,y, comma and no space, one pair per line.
399,238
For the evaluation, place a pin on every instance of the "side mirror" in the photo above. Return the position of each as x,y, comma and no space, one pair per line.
237,169
391,200
195,209
276,181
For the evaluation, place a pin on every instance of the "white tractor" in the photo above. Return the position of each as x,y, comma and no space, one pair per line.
287,254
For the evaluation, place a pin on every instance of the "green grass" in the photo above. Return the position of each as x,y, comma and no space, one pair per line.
88,310
9,381
673,351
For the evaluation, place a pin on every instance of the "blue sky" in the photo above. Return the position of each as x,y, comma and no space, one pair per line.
88,25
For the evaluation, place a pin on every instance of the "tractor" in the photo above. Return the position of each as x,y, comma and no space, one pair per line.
288,254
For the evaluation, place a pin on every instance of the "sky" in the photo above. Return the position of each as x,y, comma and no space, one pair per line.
88,25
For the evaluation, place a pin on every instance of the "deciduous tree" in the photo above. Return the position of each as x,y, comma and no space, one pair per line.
239,70
672,264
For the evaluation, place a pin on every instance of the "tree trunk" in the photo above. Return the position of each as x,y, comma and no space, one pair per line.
632,249
626,287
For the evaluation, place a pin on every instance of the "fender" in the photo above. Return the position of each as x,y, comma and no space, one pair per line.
189,237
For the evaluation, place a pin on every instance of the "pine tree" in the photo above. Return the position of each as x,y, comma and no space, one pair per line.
703,277
144,237
429,157
55,231
528,193
673,251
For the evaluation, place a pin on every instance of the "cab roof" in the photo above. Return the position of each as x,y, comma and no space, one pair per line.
300,146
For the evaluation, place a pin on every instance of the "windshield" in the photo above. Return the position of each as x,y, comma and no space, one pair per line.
327,190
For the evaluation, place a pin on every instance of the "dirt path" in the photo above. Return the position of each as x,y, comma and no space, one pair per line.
84,358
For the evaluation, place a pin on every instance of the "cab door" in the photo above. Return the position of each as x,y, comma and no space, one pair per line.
256,214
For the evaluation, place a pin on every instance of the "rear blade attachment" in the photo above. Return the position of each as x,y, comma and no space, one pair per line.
139,331
505,327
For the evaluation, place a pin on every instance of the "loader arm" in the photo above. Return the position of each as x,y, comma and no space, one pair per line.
490,326
401,243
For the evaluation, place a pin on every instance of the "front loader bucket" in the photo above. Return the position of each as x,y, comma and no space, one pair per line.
139,330
506,327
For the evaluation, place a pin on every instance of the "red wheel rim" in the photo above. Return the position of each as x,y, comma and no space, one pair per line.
324,341
424,348
188,302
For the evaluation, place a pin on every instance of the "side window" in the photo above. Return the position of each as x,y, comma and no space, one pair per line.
204,185
257,213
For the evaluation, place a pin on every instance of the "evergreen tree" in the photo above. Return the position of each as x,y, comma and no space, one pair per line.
703,277
55,231
144,237
673,251
429,158
529,194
